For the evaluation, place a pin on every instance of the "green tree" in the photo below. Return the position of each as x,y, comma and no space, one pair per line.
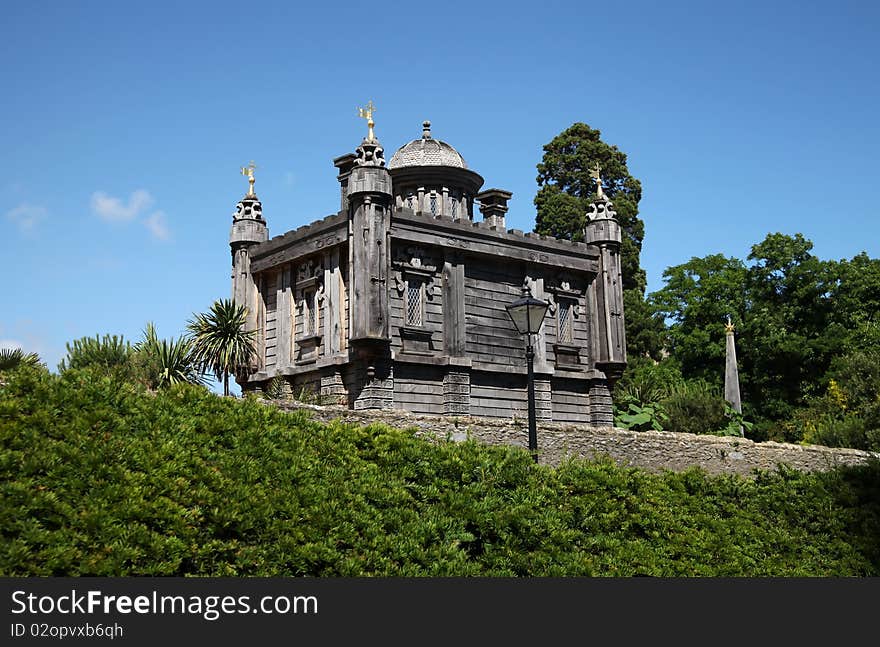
110,352
165,362
696,300
794,314
12,358
562,202
789,334
222,345
566,190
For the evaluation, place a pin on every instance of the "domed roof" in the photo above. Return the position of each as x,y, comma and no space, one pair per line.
426,151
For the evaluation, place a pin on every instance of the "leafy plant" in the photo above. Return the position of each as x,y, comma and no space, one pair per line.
220,342
166,362
640,417
107,352
697,407
12,358
100,478
275,388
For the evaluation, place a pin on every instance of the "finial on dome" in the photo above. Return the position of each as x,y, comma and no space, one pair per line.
426,129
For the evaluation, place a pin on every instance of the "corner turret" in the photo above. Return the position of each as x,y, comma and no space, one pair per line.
248,230
603,231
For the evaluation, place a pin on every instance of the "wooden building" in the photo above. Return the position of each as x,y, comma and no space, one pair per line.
398,300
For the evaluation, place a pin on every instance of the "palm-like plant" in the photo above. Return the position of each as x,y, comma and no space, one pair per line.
12,358
109,352
168,362
222,345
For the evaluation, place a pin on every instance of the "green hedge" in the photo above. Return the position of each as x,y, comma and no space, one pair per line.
103,478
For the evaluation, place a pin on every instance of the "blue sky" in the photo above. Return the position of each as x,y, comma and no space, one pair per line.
124,126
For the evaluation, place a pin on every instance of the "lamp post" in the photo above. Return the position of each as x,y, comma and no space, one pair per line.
527,315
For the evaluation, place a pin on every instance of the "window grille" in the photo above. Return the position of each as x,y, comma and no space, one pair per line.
310,313
414,296
409,200
307,299
433,205
564,314
454,207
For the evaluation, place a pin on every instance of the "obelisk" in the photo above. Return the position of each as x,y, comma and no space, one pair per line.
731,373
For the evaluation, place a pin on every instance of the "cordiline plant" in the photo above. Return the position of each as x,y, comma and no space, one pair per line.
165,362
221,345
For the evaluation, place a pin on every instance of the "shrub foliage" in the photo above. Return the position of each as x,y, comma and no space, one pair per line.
101,477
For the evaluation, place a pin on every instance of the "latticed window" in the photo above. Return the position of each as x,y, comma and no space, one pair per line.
415,293
409,200
433,204
454,207
564,320
310,314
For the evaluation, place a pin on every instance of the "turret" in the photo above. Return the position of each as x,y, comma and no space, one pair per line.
248,230
603,231
369,212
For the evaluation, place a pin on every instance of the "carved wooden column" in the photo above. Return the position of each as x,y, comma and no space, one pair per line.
457,381
284,299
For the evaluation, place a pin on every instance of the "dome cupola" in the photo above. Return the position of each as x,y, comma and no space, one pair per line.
427,151
431,177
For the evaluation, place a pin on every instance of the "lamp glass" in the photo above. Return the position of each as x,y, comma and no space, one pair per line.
527,314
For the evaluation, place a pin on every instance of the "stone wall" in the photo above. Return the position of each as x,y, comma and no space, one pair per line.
650,450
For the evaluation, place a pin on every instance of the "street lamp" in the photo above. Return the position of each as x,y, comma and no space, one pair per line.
527,315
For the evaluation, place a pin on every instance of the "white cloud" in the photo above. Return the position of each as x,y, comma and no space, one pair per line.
26,216
156,223
10,344
289,178
112,209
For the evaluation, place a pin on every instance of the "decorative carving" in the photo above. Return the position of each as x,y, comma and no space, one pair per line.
417,262
551,299
248,208
370,154
310,270
415,258
601,210
326,241
560,287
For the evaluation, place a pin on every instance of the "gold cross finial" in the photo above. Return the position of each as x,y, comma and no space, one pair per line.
594,173
367,113
248,171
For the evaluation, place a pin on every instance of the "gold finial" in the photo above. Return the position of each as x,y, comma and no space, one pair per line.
728,327
594,173
367,113
249,172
